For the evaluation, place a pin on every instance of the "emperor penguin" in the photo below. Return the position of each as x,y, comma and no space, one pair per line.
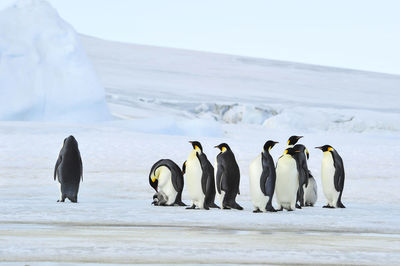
332,172
287,180
227,177
68,170
301,155
262,179
293,140
167,180
199,178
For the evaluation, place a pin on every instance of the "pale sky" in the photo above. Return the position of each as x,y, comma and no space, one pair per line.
359,34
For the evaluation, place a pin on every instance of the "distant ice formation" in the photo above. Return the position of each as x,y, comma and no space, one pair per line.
45,73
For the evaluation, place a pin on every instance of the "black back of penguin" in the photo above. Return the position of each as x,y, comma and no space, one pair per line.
268,175
228,176
69,170
207,181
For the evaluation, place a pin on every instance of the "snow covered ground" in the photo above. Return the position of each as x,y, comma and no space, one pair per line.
162,98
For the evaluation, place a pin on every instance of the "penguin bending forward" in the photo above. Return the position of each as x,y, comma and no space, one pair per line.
167,180
199,178
227,177
287,181
332,173
262,179
68,170
301,155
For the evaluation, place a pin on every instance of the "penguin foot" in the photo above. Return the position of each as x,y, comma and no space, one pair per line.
180,203
271,209
290,210
328,206
257,211
340,205
298,206
213,205
191,207
226,207
238,207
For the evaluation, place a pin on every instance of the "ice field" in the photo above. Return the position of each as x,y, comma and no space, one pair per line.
160,99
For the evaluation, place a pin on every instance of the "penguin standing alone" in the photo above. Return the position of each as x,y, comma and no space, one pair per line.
287,181
227,177
167,180
200,178
262,179
68,170
332,173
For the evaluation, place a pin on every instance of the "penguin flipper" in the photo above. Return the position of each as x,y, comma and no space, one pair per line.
263,180
80,166
59,160
218,178
268,176
339,171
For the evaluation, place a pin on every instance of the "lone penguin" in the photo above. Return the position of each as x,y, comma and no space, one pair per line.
227,177
262,179
68,170
199,178
167,180
332,172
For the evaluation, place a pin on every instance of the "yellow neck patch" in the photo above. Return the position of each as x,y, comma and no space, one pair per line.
286,151
223,149
288,142
330,149
269,148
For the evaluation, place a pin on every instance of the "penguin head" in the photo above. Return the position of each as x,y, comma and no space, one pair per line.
291,151
184,168
71,141
325,148
293,140
269,145
302,148
153,182
196,146
223,147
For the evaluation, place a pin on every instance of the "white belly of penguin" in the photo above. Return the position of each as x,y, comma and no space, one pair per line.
258,198
193,180
165,184
287,182
327,176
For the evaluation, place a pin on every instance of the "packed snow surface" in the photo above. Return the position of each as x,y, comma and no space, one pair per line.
161,99
44,71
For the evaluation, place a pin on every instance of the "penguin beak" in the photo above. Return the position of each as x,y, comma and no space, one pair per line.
300,137
216,147
318,148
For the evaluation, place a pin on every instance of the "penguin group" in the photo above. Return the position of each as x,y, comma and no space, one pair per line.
290,180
